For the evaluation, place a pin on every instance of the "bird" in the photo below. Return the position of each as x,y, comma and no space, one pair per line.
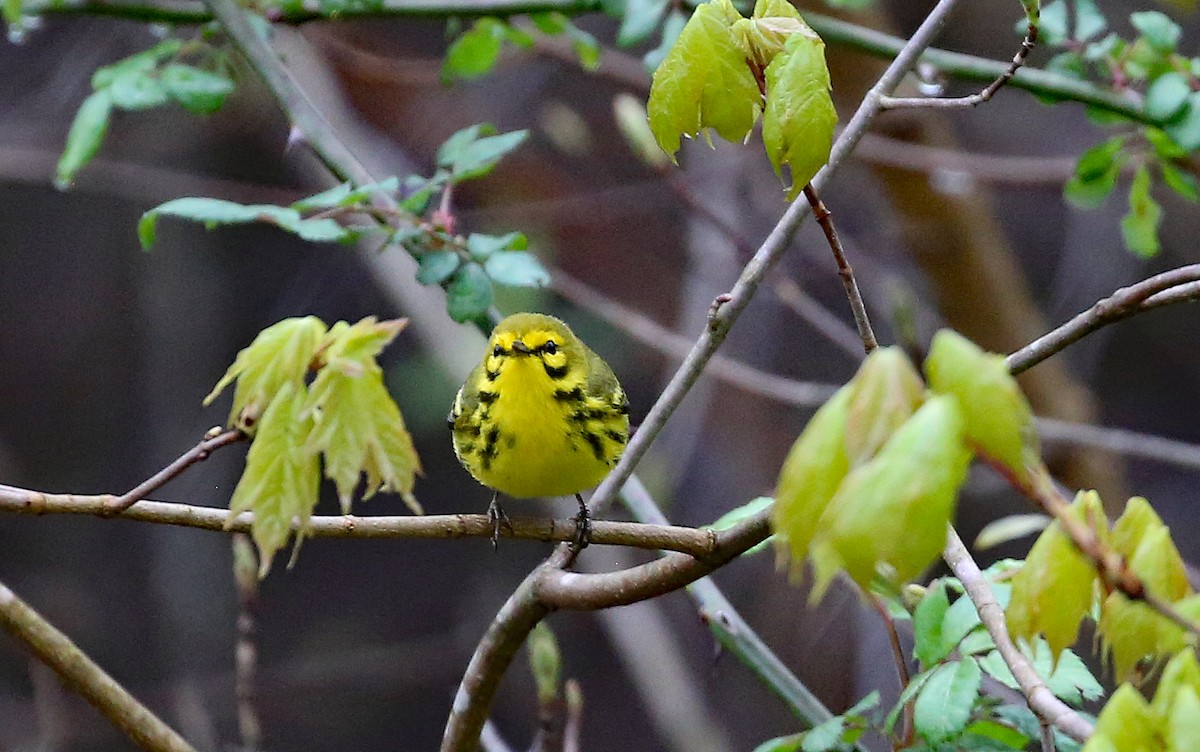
541,415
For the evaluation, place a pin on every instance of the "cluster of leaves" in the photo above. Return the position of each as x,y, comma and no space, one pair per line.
1149,67
725,71
949,709
872,482
465,267
475,52
1170,722
151,78
1059,586
305,393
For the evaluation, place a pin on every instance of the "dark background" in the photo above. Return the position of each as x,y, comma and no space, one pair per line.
106,352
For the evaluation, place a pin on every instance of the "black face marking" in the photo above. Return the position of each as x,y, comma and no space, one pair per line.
556,373
497,351
492,375
623,408
487,397
569,395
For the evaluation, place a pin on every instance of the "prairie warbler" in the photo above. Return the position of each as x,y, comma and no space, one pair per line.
542,415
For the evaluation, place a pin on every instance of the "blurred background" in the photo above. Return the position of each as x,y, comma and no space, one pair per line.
106,352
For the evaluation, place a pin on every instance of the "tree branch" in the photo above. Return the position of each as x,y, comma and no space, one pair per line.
211,442
825,219
698,543
1041,700
81,674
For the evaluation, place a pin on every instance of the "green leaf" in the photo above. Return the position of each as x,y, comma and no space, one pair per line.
1052,25
814,468
993,664
915,685
137,90
998,419
929,644
1072,682
737,515
1181,672
1008,737
141,62
1167,96
212,212
1099,159
327,199
198,90
1139,227
944,705
516,269
640,20
545,662
1183,183
278,357
483,246
356,424
12,18
1126,723
799,117
671,30
469,294
585,46
1009,528
1157,28
1183,725
825,736
437,267
958,622
1052,592
87,133
479,157
789,743
452,148
1186,130
474,54
1089,21
281,480
1090,194
704,82
886,392
549,23
894,509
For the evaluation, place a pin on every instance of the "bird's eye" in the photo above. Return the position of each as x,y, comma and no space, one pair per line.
550,347
497,351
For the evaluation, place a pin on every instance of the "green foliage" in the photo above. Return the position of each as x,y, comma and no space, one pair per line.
151,78
1140,226
944,705
838,734
545,662
740,514
721,67
346,417
474,53
887,391
213,212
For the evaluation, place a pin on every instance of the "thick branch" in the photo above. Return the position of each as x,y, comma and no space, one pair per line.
82,675
699,543
1041,700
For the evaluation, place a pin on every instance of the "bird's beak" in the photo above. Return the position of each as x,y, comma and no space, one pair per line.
521,347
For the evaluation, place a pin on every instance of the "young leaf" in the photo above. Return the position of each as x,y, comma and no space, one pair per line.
281,481
929,647
545,661
886,391
198,90
1052,592
479,157
278,357
799,117
474,54
1126,723
1140,226
355,423
1183,725
704,82
1010,528
998,419
894,509
137,90
516,269
141,62
811,473
469,294
944,705
86,135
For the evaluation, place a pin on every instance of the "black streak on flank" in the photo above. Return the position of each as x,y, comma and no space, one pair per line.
616,436
569,395
556,373
596,444
487,397
493,375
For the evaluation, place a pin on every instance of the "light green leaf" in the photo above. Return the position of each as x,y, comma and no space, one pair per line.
1140,226
1089,21
789,743
929,645
278,357
1158,29
469,294
1009,528
1183,183
944,705
137,90
436,267
1183,725
198,90
1125,725
479,157
885,392
825,736
585,46
1090,193
1167,96
545,662
516,269
704,82
483,246
281,481
640,20
1072,681
998,419
799,117
143,62
739,514
1099,159
1185,131
355,423
86,135
214,212
474,54
811,473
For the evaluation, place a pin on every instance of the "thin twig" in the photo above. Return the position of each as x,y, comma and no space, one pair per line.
898,658
1136,298
1047,737
81,674
973,100
1041,700
699,543
199,453
245,577
495,651
825,219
